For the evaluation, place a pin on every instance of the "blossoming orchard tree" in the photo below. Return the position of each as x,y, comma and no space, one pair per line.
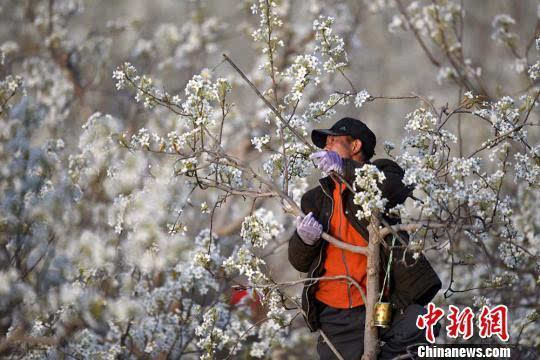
126,235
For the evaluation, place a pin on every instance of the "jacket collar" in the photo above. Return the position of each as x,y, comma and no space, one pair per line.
327,184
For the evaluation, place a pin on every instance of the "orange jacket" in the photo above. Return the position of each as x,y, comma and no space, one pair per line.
339,293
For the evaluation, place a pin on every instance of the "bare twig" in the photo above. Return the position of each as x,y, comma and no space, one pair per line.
267,103
19,337
330,345
492,142
416,34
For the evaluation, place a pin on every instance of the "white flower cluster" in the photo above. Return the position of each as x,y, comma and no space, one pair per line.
146,140
464,167
298,188
446,73
10,84
501,280
260,228
420,120
146,91
223,87
202,259
416,245
512,256
272,331
176,142
212,337
168,316
419,170
187,165
6,49
176,46
8,87
361,98
193,270
88,345
303,71
324,110
527,167
256,231
524,327
503,116
378,5
298,123
200,93
204,208
228,175
269,22
480,301
520,65
368,196
329,45
422,123
388,147
426,152
527,219
117,212
142,139
122,73
398,22
433,20
437,22
299,164
501,24
54,85
259,142
534,70
244,262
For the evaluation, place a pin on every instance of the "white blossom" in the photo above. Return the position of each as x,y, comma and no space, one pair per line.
368,196
361,98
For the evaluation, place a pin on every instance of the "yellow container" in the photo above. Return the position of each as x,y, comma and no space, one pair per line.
382,314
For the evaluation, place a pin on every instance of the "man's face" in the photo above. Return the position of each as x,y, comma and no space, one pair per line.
343,145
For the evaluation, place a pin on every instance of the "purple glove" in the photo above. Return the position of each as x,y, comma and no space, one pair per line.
328,161
308,229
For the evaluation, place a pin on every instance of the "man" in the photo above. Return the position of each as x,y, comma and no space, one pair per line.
334,306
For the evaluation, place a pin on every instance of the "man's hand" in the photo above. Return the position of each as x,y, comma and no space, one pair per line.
308,229
328,161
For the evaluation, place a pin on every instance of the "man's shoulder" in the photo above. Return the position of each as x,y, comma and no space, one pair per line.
385,165
312,193
312,200
313,196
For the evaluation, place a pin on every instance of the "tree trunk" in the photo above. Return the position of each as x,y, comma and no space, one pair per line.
371,335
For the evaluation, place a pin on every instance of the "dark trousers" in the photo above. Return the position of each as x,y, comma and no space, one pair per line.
345,329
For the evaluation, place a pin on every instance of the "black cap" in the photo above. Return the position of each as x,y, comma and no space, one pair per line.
348,126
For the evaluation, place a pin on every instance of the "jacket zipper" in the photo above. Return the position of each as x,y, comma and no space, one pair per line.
332,201
343,257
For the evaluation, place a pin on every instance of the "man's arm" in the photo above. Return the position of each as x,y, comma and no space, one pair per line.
301,255
392,187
